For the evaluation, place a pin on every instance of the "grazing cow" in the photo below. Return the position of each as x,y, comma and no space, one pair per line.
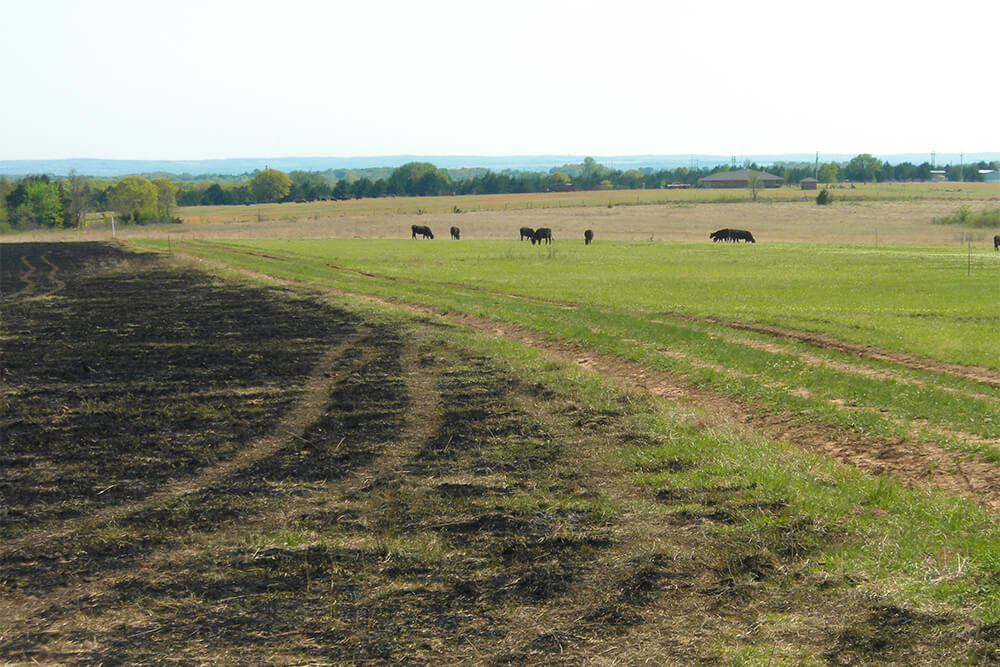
455,232
527,233
541,234
588,236
423,230
742,235
996,241
720,235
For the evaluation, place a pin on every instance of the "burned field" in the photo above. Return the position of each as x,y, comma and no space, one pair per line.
210,471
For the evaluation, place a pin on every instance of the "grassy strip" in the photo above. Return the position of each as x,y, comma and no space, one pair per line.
922,300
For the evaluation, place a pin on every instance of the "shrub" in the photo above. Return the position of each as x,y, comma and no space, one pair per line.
966,217
824,197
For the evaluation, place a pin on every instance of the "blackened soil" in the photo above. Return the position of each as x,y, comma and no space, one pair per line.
133,373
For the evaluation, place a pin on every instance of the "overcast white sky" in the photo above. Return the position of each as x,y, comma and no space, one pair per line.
212,79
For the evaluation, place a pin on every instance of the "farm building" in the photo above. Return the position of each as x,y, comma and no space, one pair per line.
990,175
808,183
740,178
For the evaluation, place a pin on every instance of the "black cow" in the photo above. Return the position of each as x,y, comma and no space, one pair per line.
588,236
996,241
541,234
527,233
423,230
732,235
455,232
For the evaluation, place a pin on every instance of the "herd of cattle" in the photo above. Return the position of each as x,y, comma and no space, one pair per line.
544,235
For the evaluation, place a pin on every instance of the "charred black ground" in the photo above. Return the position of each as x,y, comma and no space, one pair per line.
430,506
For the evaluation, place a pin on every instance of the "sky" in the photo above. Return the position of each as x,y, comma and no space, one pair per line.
217,78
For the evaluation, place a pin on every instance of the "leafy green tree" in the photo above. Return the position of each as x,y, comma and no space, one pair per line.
36,202
420,179
134,198
863,168
308,185
828,172
632,179
270,185
166,198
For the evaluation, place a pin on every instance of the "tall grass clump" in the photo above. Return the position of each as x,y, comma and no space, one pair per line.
988,217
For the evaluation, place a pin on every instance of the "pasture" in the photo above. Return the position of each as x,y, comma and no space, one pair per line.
314,450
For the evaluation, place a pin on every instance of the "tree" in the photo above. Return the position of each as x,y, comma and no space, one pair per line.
633,179
270,185
134,198
418,178
828,172
79,199
863,168
166,198
36,202
755,183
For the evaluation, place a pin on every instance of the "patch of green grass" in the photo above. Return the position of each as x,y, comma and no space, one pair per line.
922,300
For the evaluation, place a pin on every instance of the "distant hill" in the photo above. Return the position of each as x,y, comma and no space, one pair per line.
236,166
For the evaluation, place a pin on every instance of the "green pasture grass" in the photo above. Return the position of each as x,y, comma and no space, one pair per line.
888,406
908,546
938,302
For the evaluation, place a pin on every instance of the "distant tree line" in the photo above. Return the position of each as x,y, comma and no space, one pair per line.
41,201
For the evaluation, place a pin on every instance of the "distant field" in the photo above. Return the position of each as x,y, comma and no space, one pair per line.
506,202
869,214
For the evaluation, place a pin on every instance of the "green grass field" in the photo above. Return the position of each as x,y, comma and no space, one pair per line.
935,301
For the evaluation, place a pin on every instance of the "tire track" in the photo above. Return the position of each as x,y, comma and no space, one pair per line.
51,276
307,409
38,615
29,284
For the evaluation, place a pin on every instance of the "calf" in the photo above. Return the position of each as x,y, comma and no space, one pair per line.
996,241
588,236
527,233
541,234
455,232
423,230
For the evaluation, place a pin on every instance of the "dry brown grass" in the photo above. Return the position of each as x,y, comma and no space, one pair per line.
791,217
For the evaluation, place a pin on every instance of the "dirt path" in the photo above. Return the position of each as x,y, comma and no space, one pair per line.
976,373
